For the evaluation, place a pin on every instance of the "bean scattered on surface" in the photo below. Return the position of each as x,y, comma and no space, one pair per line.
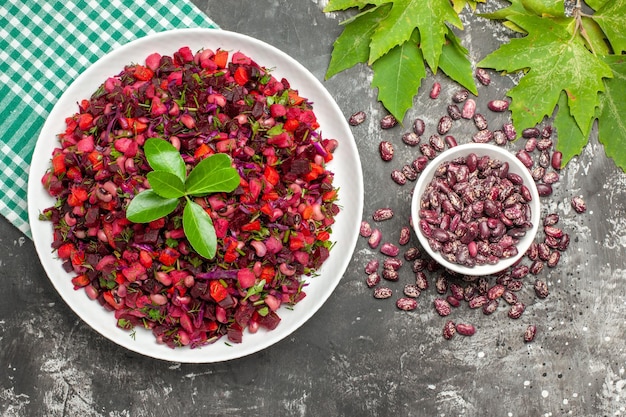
357,118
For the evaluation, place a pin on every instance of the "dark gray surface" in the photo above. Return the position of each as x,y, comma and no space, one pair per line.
357,356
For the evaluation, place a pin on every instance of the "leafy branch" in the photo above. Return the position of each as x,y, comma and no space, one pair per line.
570,53
170,186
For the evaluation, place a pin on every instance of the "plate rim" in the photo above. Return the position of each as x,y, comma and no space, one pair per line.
34,187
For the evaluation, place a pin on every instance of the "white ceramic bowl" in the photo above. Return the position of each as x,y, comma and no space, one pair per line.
346,166
515,166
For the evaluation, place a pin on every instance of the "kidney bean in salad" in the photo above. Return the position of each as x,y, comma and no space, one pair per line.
272,231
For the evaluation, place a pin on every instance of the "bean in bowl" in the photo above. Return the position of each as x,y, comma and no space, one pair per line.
475,209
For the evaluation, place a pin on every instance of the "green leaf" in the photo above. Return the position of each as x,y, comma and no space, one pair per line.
459,5
598,44
163,156
398,76
428,16
336,5
455,64
556,61
612,19
148,206
571,139
199,230
353,45
166,184
611,121
211,175
545,8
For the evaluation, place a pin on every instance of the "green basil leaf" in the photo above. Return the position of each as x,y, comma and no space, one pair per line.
163,156
212,175
166,184
148,206
199,230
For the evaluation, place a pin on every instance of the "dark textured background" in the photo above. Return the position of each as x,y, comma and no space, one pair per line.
357,356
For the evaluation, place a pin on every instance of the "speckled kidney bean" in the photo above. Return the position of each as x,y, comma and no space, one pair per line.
382,214
541,289
516,310
465,329
419,127
495,291
411,254
564,242
427,150
398,177
405,236
499,137
515,285
556,160
520,271
366,229
532,253
419,265
498,105
454,112
553,231
453,301
524,158
372,266
406,303
391,275
444,125
469,109
392,263
544,144
530,145
411,290
409,172
435,90
482,136
373,279
551,219
483,76
382,292
536,267
551,241
490,307
578,204
531,132
388,122
478,301
389,249
510,297
544,159
442,307
529,333
357,118
441,284
449,330
411,138
437,142
460,96
550,177
510,131
537,173
420,163
375,238
450,141
456,291
421,281
553,260
386,150
544,190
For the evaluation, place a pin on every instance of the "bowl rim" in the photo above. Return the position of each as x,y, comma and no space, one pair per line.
516,166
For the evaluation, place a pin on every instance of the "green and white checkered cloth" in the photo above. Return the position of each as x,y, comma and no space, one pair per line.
44,46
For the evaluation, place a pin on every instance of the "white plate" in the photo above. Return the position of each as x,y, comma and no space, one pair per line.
346,166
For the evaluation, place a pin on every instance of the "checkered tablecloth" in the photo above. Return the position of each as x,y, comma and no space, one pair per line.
44,46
